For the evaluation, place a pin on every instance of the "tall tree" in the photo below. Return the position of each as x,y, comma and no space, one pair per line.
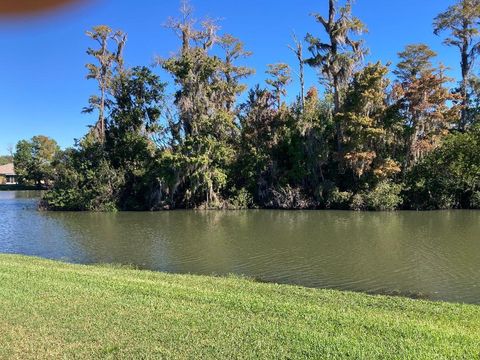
314,128
193,69
416,59
338,57
279,79
366,132
133,121
259,125
108,60
461,21
234,50
23,160
422,97
208,83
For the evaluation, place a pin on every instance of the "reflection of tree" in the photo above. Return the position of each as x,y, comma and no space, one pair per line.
30,195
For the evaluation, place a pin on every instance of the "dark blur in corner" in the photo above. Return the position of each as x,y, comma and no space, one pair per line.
16,8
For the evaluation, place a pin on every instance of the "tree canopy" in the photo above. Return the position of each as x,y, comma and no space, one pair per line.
34,159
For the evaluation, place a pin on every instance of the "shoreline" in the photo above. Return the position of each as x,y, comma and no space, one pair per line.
8,188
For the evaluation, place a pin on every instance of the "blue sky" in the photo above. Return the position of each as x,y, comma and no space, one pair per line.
43,86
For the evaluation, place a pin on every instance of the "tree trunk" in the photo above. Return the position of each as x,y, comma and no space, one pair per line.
302,83
102,115
464,86
336,111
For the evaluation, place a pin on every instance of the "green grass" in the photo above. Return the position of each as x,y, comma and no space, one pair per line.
55,310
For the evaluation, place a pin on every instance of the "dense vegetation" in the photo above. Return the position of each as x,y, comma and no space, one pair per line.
5,159
56,310
374,138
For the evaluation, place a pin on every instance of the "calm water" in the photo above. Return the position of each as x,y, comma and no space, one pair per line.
436,254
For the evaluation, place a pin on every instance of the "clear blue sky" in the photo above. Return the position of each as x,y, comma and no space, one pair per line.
43,86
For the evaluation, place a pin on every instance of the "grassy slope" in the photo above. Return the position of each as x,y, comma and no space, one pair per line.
51,309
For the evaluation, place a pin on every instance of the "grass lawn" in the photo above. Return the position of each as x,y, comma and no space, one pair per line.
55,310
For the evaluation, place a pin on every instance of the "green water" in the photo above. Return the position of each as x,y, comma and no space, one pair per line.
429,254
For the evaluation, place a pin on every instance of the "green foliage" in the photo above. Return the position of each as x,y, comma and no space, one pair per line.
367,135
449,177
279,79
475,200
33,160
5,159
241,200
85,181
416,59
23,160
259,123
384,197
359,202
202,164
337,199
203,130
114,174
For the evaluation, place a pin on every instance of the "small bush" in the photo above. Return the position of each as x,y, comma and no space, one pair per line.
241,200
337,199
384,197
359,202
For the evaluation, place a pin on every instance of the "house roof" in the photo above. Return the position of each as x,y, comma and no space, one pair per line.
7,169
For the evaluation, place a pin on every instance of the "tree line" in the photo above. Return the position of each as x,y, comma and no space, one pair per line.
378,137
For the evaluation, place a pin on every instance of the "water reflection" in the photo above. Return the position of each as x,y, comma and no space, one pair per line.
434,253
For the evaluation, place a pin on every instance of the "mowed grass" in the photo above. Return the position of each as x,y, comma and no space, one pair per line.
54,310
